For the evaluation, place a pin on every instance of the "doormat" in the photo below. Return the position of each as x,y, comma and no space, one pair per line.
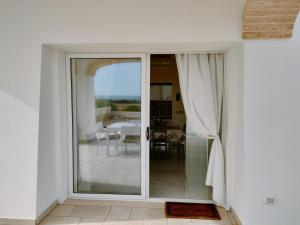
192,211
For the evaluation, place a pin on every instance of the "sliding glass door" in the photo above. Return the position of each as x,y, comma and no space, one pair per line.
108,113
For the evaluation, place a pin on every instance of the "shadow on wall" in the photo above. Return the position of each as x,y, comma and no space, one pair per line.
296,33
52,136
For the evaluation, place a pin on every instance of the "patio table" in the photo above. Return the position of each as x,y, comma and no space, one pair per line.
116,129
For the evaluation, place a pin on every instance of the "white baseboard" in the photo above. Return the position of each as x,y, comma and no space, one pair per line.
4,221
46,212
236,218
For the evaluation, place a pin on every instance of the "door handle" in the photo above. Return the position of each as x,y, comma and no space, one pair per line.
148,133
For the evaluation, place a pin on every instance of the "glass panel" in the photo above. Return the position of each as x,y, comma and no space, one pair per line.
106,125
178,156
161,92
196,163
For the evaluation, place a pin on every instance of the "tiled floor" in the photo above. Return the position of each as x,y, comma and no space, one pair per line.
181,177
120,172
117,173
88,212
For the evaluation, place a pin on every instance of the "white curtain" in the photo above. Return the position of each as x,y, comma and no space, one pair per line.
201,83
86,112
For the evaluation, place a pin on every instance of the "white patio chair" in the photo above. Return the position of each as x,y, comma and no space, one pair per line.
112,134
136,121
130,135
107,134
100,135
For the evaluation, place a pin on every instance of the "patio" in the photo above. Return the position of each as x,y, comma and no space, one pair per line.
116,172
88,212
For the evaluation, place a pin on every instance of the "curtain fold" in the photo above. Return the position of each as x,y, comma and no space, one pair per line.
201,84
86,113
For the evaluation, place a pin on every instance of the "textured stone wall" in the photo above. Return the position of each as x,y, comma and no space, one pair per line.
269,19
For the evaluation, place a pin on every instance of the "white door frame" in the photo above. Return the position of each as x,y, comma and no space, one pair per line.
145,116
145,90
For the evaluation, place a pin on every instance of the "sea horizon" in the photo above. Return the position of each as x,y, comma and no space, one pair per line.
118,97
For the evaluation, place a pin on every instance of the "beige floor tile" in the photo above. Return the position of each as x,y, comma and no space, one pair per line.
219,222
156,222
204,222
60,220
209,222
139,204
107,203
90,211
177,221
231,218
91,221
77,202
124,222
62,210
118,213
88,202
147,214
224,217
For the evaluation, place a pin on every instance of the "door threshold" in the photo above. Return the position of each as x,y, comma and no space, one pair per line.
134,203
180,200
92,200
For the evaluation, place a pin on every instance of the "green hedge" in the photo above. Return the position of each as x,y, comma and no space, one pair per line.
105,103
133,108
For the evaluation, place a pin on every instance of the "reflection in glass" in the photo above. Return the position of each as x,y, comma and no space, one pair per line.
106,126
178,156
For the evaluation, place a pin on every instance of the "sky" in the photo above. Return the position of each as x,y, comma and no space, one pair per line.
118,79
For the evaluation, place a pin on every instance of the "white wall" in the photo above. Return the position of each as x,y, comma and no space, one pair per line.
271,138
26,25
52,170
17,159
46,180
232,132
271,112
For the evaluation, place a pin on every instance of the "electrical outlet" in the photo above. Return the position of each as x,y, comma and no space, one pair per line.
270,201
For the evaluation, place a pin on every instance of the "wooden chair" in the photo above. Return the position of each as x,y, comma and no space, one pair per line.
177,138
159,143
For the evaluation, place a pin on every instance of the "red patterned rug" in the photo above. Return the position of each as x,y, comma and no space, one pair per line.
192,210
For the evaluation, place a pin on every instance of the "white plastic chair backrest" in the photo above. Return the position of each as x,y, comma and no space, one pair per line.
112,129
134,121
129,130
100,131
